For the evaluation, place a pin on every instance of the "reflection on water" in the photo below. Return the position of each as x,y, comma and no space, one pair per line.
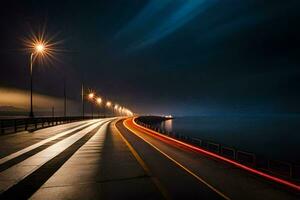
167,125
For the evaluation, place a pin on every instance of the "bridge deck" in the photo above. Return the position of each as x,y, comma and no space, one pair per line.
99,159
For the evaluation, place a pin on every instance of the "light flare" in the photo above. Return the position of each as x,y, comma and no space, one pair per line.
99,100
42,47
91,95
108,104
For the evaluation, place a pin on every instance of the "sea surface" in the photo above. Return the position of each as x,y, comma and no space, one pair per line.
273,136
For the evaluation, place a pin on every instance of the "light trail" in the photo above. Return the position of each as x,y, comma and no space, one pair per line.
202,151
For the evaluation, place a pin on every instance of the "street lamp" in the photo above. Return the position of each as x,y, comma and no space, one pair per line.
99,101
43,48
116,109
39,49
108,104
91,97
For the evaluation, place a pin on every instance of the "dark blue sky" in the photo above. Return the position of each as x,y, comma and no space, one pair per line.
180,57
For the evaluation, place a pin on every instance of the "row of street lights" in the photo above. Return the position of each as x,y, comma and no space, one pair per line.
115,108
41,48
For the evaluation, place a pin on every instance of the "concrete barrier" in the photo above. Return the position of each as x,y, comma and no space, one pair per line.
246,158
24,124
280,167
228,152
214,147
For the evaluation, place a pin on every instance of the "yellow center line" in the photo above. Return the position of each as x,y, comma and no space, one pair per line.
156,182
177,163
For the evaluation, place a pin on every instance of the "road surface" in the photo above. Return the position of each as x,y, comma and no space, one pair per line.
112,159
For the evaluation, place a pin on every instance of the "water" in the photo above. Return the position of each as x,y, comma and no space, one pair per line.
273,136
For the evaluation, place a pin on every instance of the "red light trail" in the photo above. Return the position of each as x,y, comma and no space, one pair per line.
165,138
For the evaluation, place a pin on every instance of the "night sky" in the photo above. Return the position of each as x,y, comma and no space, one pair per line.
162,56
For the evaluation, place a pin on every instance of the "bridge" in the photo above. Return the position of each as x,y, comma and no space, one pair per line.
114,158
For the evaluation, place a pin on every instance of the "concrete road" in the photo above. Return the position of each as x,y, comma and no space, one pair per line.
102,159
82,160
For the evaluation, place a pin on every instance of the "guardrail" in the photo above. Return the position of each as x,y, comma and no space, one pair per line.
283,169
30,124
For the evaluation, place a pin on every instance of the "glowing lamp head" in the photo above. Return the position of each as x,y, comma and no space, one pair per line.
91,95
39,48
99,100
108,104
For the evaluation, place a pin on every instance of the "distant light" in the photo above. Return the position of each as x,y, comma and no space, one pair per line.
91,95
99,100
108,104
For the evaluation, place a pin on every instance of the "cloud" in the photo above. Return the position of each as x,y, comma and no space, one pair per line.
144,17
159,19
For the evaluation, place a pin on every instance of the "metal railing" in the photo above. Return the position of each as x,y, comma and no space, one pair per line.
31,124
289,171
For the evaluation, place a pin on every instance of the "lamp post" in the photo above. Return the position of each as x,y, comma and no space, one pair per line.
108,105
99,101
65,98
39,48
120,111
91,97
82,99
116,107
